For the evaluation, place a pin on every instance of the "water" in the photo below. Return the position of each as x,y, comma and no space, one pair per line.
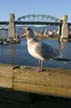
18,54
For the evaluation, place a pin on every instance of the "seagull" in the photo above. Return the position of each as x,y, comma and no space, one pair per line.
39,49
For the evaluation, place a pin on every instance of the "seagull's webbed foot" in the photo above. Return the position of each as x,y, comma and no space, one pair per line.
40,69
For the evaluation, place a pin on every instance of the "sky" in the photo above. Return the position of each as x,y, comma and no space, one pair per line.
20,8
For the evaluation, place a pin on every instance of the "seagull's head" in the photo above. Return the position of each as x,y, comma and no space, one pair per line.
28,32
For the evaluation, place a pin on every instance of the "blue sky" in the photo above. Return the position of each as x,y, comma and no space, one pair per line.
55,8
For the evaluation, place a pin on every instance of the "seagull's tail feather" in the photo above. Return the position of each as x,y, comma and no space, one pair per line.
62,59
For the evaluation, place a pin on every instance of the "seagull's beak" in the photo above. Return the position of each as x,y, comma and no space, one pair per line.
23,35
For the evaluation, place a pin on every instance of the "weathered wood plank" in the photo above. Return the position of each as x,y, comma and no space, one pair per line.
6,76
45,78
52,81
41,89
55,82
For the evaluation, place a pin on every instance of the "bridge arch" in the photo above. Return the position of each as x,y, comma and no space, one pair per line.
38,17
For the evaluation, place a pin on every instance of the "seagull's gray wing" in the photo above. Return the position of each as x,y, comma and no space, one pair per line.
46,51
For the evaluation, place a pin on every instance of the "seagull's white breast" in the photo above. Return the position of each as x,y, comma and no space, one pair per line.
32,49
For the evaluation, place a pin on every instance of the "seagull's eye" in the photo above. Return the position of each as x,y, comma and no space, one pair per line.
28,28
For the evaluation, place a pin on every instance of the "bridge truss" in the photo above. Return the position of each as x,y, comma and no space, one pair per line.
38,18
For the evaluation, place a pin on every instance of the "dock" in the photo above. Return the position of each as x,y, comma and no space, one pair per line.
52,81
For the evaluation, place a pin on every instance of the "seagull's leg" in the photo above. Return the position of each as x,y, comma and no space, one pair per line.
41,63
40,66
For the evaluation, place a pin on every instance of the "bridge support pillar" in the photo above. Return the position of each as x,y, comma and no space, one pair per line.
64,28
11,27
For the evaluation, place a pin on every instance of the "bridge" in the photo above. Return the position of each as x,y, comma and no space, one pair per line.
31,23
37,19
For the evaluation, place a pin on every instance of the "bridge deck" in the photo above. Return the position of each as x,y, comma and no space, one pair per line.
32,22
